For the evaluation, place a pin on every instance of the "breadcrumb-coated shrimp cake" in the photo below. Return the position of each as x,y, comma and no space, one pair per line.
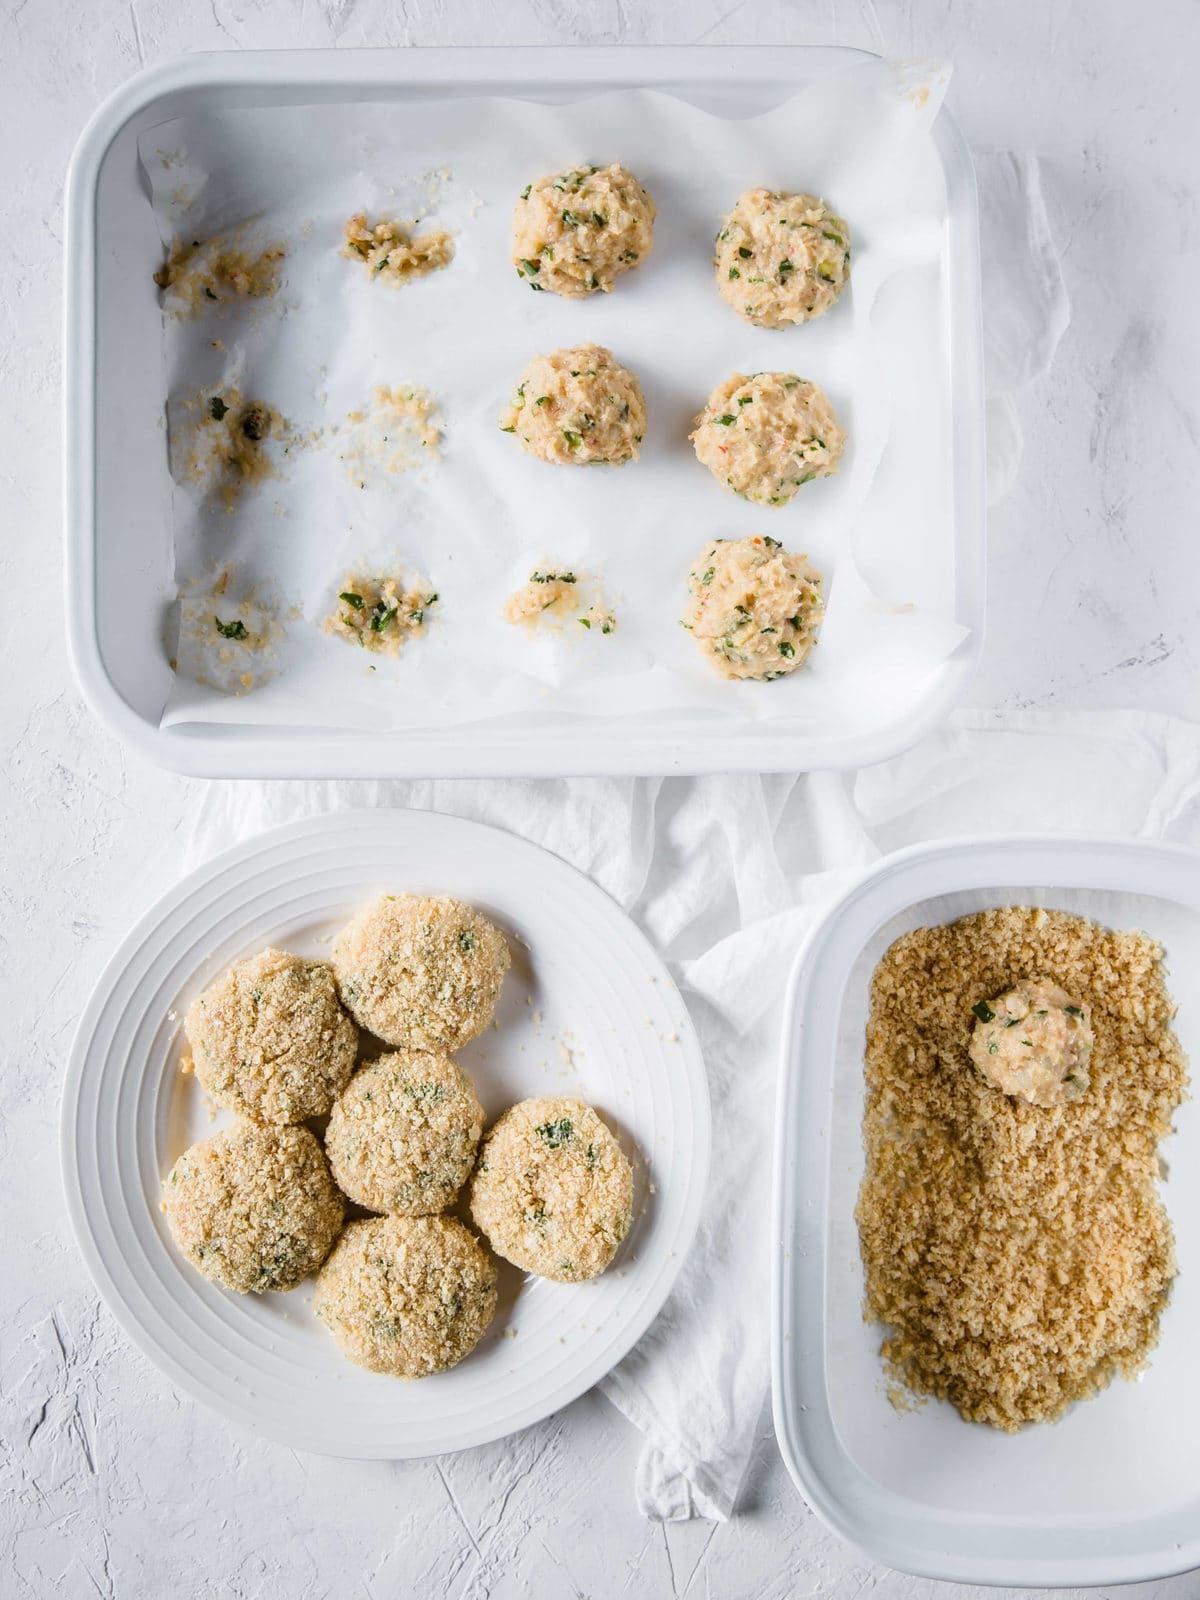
765,436
421,973
407,1296
553,1190
781,259
270,1039
577,408
254,1208
575,232
402,1136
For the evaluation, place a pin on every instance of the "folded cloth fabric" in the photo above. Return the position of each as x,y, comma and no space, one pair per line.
727,874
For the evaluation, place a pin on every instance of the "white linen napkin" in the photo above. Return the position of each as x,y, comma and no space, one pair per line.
727,874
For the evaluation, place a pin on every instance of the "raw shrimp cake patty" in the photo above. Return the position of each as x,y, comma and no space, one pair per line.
577,407
402,1138
766,435
407,1296
553,1191
1034,1041
421,973
781,258
756,608
270,1039
575,232
254,1208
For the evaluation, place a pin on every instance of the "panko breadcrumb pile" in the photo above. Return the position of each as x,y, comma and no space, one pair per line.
1018,1255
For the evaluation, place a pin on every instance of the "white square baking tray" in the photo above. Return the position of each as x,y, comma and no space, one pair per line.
118,491
1111,1492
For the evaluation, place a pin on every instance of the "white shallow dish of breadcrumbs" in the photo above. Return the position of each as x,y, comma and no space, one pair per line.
587,1010
1108,1493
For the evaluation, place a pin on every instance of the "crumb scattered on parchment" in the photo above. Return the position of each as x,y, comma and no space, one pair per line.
433,186
391,252
554,598
399,432
547,595
204,274
599,617
226,636
230,444
380,614
917,79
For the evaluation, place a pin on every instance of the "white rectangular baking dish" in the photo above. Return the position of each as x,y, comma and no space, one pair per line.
1110,1493
119,574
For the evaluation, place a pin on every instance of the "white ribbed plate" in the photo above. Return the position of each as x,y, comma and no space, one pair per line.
587,1010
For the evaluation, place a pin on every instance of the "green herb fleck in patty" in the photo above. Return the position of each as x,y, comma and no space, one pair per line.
556,1134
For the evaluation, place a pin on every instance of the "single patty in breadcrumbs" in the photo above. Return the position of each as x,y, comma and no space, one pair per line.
403,1134
1018,1255
407,1296
254,1208
553,1191
421,973
270,1039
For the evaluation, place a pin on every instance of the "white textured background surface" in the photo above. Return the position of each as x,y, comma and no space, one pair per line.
112,1485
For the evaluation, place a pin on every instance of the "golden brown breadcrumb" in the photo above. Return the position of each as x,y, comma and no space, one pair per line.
1018,1256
